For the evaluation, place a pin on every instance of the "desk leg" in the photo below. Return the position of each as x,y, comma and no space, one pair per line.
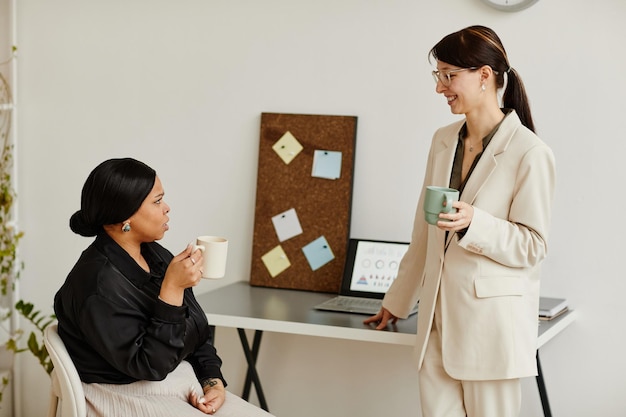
252,375
543,393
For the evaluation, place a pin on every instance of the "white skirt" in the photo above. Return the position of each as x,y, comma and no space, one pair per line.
167,398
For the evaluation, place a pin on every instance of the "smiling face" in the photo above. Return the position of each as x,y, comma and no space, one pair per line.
463,93
149,223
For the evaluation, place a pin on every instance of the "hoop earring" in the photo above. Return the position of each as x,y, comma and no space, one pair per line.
126,227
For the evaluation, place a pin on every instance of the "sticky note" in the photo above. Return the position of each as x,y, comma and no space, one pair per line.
276,261
318,253
287,225
287,147
327,164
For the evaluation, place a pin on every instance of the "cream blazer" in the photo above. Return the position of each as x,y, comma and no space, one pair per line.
488,280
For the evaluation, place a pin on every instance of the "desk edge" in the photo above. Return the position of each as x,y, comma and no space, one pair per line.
306,329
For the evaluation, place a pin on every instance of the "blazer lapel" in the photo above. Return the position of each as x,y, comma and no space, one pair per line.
442,168
488,161
444,158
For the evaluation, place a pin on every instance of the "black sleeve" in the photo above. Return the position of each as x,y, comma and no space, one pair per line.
204,360
142,348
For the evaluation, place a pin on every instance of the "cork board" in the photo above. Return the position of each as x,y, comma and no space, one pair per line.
294,186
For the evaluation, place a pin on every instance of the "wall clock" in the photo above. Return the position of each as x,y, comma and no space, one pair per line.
510,5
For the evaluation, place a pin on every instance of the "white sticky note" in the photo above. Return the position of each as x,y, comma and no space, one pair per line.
287,225
327,164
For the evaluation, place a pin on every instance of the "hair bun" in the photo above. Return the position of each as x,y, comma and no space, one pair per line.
81,226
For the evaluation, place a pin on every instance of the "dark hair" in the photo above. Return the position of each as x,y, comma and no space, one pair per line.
476,46
113,192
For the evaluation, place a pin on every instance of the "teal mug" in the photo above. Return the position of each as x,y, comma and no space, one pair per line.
434,202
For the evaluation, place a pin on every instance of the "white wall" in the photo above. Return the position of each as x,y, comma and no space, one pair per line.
181,85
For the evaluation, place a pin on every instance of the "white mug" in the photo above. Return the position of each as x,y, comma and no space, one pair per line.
214,250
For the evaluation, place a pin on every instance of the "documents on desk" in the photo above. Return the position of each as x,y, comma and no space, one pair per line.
550,308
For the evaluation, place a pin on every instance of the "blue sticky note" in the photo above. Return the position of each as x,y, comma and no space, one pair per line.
327,164
318,253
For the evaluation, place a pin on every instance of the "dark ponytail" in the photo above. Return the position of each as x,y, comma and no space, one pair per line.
476,46
515,98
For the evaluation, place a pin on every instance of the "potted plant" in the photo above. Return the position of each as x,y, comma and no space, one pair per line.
10,266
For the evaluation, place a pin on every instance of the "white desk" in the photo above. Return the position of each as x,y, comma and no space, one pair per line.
242,306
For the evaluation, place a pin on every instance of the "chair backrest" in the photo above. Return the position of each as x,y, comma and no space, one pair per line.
67,389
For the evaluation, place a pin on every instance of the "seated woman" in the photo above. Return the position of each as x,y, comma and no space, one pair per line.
127,312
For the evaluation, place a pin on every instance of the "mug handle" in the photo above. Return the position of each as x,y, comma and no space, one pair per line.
198,247
448,200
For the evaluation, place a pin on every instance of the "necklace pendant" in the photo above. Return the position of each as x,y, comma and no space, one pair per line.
471,148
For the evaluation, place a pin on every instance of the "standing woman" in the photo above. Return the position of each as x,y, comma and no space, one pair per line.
127,313
476,273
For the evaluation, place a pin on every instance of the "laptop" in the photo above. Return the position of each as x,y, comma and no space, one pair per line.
371,266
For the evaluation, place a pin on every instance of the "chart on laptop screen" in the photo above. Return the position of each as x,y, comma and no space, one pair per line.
376,265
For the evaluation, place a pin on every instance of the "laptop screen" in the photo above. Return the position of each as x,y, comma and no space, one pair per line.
371,267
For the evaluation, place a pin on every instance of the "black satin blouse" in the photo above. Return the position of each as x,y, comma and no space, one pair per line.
115,327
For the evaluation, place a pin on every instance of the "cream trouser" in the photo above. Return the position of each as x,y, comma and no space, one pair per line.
443,396
165,398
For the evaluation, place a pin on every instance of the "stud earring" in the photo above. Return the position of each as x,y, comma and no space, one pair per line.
483,87
126,227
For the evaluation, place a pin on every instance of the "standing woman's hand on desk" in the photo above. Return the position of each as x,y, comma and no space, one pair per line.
382,318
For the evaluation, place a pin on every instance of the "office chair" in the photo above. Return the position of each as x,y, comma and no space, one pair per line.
67,397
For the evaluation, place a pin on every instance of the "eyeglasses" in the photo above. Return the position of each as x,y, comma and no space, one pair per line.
446,76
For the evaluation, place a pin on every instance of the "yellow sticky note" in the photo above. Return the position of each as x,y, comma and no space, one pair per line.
287,147
276,261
